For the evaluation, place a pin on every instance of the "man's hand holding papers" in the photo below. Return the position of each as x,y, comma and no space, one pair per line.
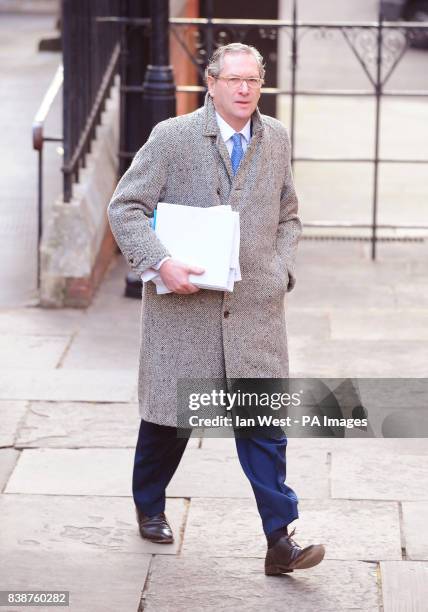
203,242
175,276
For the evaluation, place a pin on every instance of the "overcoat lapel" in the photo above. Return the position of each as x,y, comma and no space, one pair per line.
212,129
257,131
224,154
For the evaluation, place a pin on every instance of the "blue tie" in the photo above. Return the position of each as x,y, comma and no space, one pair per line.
237,152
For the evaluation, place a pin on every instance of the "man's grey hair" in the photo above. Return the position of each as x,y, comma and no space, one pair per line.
215,65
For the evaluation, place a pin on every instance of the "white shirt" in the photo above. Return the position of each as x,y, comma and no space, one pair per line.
226,132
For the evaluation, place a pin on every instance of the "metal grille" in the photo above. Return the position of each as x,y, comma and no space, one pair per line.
378,46
90,58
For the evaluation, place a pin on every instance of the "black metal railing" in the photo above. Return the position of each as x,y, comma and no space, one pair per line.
378,46
39,139
90,56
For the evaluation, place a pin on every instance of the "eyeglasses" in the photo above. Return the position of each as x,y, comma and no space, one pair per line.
234,83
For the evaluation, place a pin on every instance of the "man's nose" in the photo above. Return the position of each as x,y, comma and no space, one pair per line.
244,87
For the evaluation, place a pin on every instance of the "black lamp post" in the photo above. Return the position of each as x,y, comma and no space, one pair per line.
159,101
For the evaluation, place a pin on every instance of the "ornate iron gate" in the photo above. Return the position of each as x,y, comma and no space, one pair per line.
378,46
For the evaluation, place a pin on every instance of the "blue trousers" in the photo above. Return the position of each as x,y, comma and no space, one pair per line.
158,453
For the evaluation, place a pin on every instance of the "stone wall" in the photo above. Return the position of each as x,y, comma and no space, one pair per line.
77,243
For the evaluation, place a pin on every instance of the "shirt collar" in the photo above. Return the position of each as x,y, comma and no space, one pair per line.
227,131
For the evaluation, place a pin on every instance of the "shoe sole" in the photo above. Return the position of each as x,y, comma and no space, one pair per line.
312,557
171,541
158,540
164,541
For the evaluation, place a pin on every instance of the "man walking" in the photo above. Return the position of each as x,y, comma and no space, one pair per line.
225,152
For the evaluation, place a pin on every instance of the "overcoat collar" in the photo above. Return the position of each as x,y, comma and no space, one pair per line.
211,129
211,126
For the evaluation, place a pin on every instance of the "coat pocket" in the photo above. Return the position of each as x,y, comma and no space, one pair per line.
281,273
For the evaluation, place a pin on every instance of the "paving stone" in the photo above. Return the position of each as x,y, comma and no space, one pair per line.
415,530
411,253
113,284
8,459
341,292
404,586
358,358
240,584
77,524
107,471
379,324
315,181
398,446
111,311
35,352
374,476
69,385
40,321
82,424
80,471
315,271
372,534
396,407
223,528
418,267
194,442
412,294
309,473
219,444
307,323
301,445
11,415
99,352
351,529
97,582
211,472
409,421
311,251
208,473
79,424
355,272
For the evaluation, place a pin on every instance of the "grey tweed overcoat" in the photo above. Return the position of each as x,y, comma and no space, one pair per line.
211,333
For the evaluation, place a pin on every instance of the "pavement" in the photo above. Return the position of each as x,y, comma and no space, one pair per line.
69,416
25,75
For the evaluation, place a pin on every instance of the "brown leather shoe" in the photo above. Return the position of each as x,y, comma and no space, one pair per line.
286,555
155,528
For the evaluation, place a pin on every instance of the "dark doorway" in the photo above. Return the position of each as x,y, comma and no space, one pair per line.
265,41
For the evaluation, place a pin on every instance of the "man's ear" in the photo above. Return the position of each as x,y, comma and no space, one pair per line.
211,86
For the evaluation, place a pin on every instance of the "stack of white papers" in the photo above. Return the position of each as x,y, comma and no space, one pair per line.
204,237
